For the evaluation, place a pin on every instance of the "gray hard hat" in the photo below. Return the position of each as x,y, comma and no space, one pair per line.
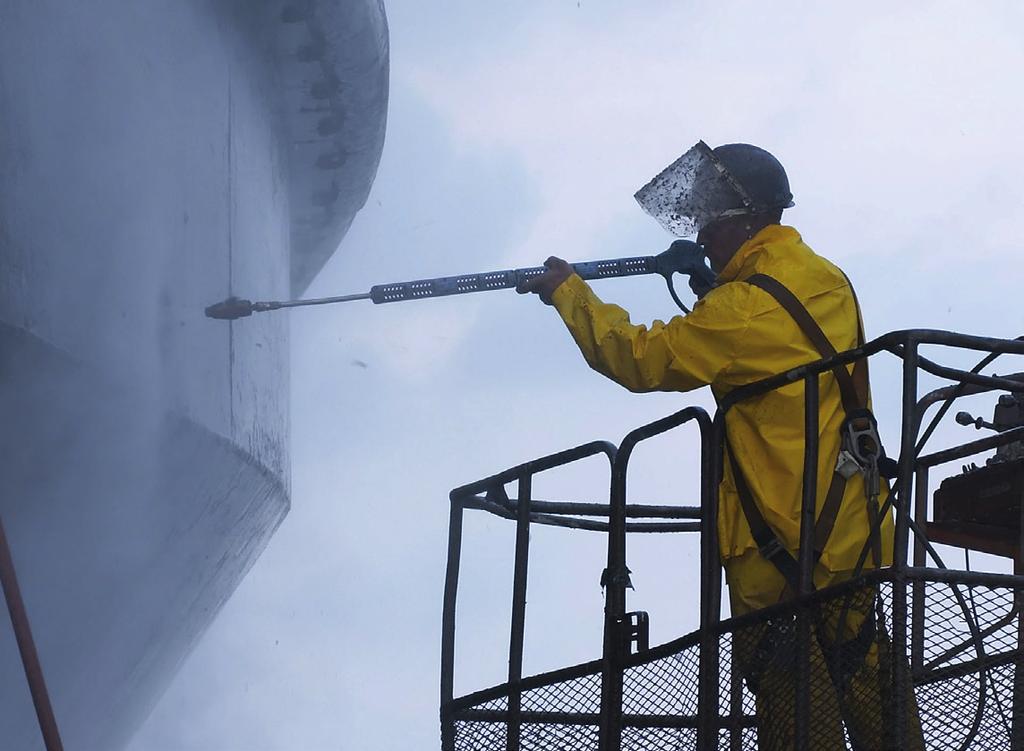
761,175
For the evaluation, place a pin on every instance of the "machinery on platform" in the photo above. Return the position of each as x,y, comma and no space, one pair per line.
980,508
953,638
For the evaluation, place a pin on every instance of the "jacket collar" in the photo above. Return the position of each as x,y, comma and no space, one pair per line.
752,248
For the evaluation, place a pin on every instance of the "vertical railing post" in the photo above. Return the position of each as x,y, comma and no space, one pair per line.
27,647
806,562
918,586
616,579
712,450
451,586
515,649
908,439
1017,711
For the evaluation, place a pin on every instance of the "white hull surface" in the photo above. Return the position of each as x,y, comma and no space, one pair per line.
156,158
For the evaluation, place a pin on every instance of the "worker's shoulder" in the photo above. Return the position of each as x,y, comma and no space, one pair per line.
802,271
789,261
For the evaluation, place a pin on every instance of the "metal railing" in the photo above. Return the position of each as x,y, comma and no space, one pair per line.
603,715
490,495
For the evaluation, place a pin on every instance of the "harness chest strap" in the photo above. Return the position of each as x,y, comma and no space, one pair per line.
854,394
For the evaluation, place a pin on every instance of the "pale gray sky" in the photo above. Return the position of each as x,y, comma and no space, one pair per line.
521,130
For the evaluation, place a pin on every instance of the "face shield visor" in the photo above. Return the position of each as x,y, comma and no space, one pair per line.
693,191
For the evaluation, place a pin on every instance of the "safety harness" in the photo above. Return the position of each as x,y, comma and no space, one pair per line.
859,452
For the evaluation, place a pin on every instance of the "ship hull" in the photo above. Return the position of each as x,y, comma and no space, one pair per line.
157,157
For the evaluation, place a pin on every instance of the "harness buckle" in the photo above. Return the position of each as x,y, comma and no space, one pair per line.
860,441
861,450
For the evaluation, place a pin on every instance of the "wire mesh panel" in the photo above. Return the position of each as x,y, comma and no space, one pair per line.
965,679
658,739
578,695
667,686
471,736
551,736
661,690
830,659
835,655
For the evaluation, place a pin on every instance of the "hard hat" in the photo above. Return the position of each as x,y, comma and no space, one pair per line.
759,173
704,185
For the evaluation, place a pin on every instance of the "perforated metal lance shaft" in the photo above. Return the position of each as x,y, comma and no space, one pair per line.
683,257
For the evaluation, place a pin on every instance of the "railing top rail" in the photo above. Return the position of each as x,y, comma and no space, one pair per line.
474,494
662,425
955,391
536,466
575,508
506,509
956,339
894,342
970,449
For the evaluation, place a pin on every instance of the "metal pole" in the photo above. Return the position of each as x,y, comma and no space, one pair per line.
711,594
616,581
1017,711
919,585
810,485
515,649
27,647
312,301
451,586
908,438
806,561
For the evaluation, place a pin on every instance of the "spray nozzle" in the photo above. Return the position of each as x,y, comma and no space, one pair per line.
230,309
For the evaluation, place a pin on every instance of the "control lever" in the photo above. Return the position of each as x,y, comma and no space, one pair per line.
966,418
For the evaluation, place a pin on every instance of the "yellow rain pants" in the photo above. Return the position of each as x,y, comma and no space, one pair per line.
854,689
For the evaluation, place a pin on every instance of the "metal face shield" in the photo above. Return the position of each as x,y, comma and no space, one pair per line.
692,191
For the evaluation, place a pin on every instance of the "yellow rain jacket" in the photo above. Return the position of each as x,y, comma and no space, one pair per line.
736,335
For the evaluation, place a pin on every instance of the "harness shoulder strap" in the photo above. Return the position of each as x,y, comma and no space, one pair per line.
854,392
768,543
792,305
853,389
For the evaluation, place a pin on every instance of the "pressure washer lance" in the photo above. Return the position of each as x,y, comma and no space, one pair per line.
682,257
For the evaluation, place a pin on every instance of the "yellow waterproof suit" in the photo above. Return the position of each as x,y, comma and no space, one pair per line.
736,335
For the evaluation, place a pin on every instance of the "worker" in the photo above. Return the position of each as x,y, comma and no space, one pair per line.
775,305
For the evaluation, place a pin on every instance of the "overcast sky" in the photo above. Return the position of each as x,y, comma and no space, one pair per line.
520,130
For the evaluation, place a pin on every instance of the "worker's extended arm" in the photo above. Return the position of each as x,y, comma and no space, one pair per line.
683,354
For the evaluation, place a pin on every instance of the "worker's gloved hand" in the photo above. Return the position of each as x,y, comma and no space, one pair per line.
546,284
